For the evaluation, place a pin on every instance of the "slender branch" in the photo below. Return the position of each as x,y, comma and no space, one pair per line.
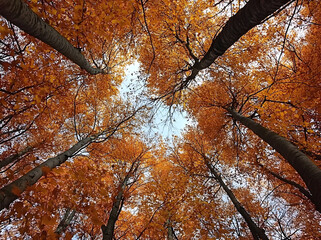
292,183
149,34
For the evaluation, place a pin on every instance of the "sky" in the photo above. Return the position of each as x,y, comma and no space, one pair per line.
133,86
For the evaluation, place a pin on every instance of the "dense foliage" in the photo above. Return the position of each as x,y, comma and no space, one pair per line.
78,155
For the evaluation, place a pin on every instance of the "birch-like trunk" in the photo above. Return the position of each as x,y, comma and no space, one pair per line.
19,13
307,169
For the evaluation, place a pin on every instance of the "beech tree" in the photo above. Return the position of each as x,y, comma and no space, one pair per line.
78,155
308,170
176,79
129,178
22,16
201,162
256,231
11,192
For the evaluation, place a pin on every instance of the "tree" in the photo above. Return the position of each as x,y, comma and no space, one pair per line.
240,94
257,232
209,158
13,190
177,32
308,170
127,180
252,14
22,16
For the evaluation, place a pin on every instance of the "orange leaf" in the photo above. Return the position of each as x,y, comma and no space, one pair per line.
45,170
16,191
68,236
47,220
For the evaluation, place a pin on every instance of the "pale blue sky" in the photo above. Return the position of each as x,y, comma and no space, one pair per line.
133,86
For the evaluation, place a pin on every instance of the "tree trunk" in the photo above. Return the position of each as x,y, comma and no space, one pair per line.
170,231
108,230
66,220
252,14
19,13
257,232
12,191
307,169
14,157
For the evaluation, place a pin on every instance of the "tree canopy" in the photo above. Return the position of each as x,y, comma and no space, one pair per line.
79,158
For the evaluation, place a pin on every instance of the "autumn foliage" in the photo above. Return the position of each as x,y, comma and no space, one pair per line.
78,155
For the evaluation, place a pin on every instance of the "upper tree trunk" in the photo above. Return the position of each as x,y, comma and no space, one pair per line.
18,12
252,14
8,160
307,169
257,232
11,192
66,220
108,230
170,231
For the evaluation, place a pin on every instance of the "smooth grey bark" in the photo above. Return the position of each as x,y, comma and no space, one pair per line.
19,13
11,192
108,230
170,231
257,232
252,14
307,169
66,220
10,159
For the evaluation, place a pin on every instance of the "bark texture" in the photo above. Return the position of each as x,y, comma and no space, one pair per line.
252,14
170,231
19,13
108,230
66,220
257,232
11,192
307,169
11,159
